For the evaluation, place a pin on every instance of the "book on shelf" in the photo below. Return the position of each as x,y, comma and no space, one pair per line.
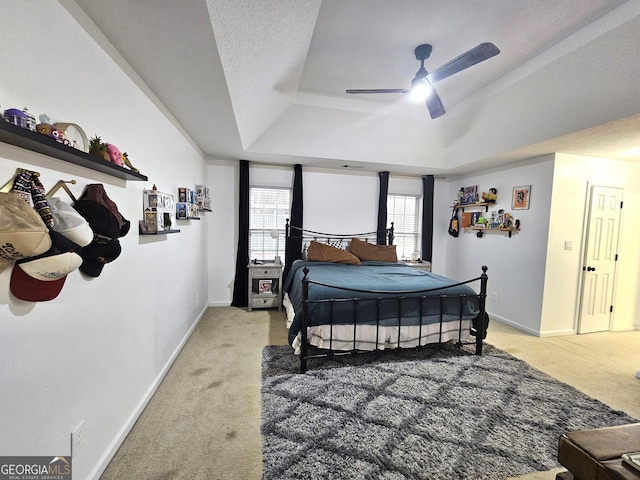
632,459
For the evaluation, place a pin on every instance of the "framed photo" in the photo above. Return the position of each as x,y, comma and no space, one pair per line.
521,197
469,196
264,286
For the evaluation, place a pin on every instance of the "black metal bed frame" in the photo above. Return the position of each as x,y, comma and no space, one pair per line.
479,328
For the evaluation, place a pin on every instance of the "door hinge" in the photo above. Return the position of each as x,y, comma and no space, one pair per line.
611,309
616,259
621,204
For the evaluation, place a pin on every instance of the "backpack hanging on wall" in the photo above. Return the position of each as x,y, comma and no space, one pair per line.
454,224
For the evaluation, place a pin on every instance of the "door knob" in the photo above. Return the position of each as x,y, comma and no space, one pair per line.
591,269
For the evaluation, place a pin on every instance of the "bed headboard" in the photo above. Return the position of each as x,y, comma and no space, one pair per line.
297,238
292,231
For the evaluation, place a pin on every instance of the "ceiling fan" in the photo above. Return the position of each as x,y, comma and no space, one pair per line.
422,84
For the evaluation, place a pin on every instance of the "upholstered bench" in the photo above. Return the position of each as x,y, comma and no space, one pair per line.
595,454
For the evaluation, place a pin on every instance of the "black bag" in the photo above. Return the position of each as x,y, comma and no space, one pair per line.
454,224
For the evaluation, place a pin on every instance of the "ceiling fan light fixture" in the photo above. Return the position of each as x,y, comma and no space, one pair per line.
421,89
422,84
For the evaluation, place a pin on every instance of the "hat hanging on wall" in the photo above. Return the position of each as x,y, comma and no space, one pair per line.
22,231
70,223
95,192
105,246
41,278
96,255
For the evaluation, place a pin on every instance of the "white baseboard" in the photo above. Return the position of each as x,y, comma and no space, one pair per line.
557,333
220,304
108,455
537,333
511,323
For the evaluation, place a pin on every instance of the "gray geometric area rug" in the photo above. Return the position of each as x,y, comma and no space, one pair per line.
443,414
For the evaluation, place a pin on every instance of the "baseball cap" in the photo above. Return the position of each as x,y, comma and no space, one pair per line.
95,192
105,247
22,231
103,223
41,278
69,222
97,254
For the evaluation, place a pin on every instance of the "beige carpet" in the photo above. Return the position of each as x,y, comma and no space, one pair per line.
203,423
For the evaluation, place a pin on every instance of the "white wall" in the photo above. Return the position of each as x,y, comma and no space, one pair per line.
97,351
536,281
335,201
222,229
572,177
517,264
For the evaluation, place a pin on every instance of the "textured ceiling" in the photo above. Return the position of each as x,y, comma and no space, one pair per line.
266,80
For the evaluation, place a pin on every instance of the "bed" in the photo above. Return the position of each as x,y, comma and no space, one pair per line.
337,305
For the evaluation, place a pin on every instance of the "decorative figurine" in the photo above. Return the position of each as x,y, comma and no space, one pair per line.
16,117
114,154
30,120
53,132
127,162
491,196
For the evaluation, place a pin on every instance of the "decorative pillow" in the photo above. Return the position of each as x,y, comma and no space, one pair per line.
370,251
320,252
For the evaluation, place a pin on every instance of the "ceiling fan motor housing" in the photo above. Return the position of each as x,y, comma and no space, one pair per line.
423,51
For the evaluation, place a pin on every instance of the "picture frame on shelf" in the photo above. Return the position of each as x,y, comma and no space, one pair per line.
470,195
521,197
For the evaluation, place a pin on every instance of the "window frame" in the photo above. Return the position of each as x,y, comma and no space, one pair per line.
262,234
398,232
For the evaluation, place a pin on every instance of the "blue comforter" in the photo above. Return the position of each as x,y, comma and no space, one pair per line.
376,280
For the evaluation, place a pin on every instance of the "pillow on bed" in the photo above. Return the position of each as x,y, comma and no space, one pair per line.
370,251
320,252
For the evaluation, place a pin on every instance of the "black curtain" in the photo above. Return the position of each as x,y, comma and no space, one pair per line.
427,217
382,208
293,246
240,285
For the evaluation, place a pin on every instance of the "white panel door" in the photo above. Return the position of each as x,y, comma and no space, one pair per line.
600,259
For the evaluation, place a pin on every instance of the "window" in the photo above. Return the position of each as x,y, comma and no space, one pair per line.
268,211
404,211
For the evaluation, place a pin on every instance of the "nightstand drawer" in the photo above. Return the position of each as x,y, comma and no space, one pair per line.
264,302
266,272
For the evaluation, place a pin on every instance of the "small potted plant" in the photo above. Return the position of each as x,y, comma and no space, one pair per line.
98,148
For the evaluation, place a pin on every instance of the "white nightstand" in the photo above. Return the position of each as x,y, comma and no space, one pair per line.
265,283
424,265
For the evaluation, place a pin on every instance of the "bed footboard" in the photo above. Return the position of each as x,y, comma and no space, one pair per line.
478,329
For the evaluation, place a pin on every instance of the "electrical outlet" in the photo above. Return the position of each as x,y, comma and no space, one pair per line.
197,298
568,245
77,438
494,296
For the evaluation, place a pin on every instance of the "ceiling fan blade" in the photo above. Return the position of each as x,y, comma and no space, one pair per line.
468,59
436,109
380,90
